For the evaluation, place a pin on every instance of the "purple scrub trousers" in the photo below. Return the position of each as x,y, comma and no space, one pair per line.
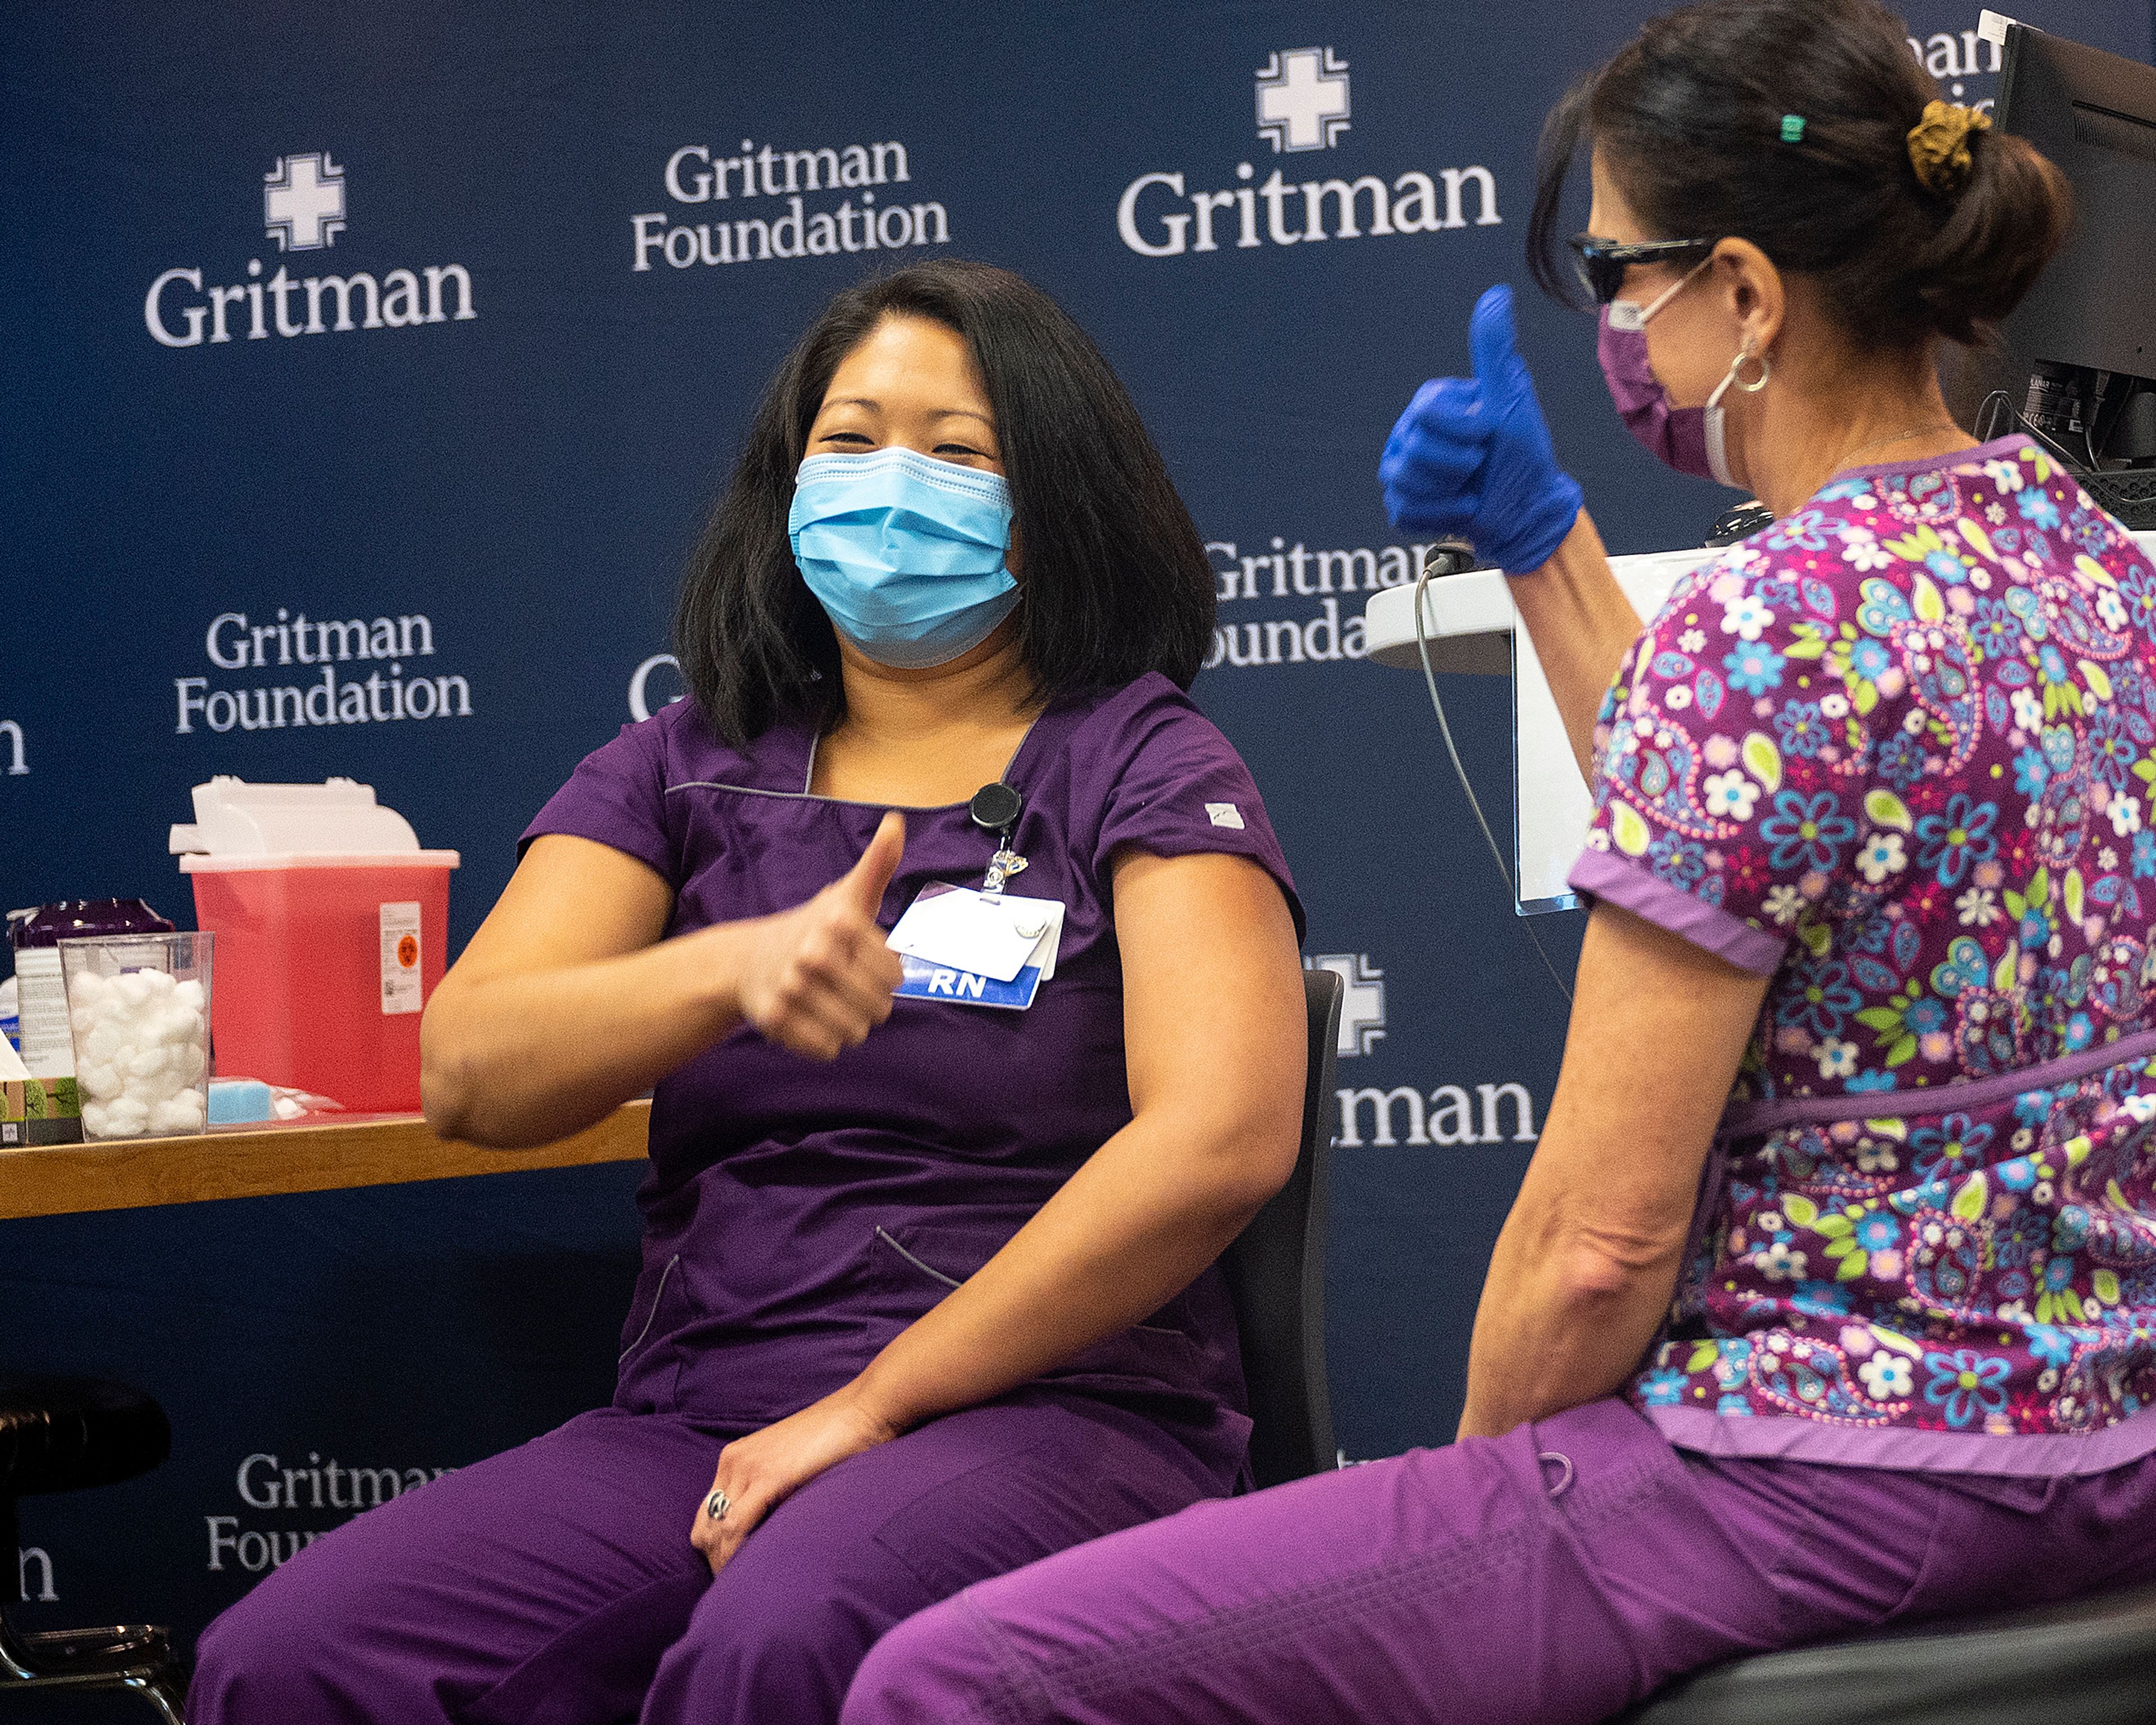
555,1585
798,1217
1554,1575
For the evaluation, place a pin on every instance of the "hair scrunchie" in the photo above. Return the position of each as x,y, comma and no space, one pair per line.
1938,145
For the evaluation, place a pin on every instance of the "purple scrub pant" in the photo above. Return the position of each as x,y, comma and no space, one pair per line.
1554,1575
555,1585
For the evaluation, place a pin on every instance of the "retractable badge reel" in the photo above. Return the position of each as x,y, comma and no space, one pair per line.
981,947
995,808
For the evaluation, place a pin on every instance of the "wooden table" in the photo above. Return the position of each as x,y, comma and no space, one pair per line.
321,1153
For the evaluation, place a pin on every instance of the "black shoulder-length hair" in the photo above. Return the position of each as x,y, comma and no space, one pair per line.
1116,580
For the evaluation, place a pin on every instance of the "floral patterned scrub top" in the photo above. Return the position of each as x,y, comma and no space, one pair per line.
1899,752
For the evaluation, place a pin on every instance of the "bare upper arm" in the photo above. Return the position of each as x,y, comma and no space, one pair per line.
572,901
1658,1028
1213,1008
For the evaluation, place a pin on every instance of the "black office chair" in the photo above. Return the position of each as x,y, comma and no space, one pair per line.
1275,1273
2093,1662
62,1435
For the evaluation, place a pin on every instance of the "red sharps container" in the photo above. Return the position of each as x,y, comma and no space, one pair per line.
332,929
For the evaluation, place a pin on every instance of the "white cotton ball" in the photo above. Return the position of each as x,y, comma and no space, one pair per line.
189,995
161,984
125,1118
145,1062
102,1044
191,1063
81,1019
94,1118
132,989
194,1098
86,987
173,1117
97,1078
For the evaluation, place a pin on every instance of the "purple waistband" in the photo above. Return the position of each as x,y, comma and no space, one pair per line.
2033,1455
1749,1119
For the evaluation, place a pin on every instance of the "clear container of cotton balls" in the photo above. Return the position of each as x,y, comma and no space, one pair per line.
138,1005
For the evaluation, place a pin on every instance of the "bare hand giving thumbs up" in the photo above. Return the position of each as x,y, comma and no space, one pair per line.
818,977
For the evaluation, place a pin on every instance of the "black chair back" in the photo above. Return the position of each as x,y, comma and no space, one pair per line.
1275,1273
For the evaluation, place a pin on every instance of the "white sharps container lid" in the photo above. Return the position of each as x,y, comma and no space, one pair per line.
338,823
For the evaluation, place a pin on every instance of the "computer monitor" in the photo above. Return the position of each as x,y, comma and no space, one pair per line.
2077,362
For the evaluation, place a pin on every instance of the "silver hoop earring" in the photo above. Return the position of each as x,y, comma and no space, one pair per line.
1766,371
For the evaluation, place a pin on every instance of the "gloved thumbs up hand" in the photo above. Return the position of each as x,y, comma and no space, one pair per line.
1473,456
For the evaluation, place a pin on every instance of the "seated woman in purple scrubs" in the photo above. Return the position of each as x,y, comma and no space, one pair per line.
1829,1296
926,1291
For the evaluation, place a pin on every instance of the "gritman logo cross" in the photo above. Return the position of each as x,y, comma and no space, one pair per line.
303,201
1363,1001
1302,99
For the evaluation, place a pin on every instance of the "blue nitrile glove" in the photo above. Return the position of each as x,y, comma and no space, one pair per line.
1473,457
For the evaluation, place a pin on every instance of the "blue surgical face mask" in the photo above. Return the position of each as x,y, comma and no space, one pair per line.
904,553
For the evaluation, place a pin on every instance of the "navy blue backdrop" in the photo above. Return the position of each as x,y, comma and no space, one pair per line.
567,245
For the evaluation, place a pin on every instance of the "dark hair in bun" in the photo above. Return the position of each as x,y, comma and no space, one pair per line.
1688,118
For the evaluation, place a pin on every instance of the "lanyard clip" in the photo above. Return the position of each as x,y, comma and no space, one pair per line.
995,808
1005,863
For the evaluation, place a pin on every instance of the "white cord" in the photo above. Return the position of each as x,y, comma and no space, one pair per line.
1496,855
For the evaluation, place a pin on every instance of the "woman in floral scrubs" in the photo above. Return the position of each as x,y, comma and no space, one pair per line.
1829,1299
1896,753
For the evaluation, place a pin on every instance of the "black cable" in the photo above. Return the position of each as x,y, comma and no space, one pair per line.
1429,678
2014,417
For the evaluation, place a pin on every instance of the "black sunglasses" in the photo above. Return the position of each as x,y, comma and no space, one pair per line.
1602,263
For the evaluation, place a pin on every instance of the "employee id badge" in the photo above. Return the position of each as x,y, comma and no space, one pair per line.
977,948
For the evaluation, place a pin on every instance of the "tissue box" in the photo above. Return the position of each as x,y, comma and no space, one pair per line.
14,1114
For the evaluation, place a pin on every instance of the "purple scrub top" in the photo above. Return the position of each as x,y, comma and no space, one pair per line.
1897,752
798,1215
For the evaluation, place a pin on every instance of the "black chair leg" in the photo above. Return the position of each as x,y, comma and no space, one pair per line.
132,1656
164,1691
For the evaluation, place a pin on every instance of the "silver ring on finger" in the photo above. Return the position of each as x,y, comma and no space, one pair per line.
716,1506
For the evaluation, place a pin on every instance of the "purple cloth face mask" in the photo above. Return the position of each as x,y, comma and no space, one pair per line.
1690,439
